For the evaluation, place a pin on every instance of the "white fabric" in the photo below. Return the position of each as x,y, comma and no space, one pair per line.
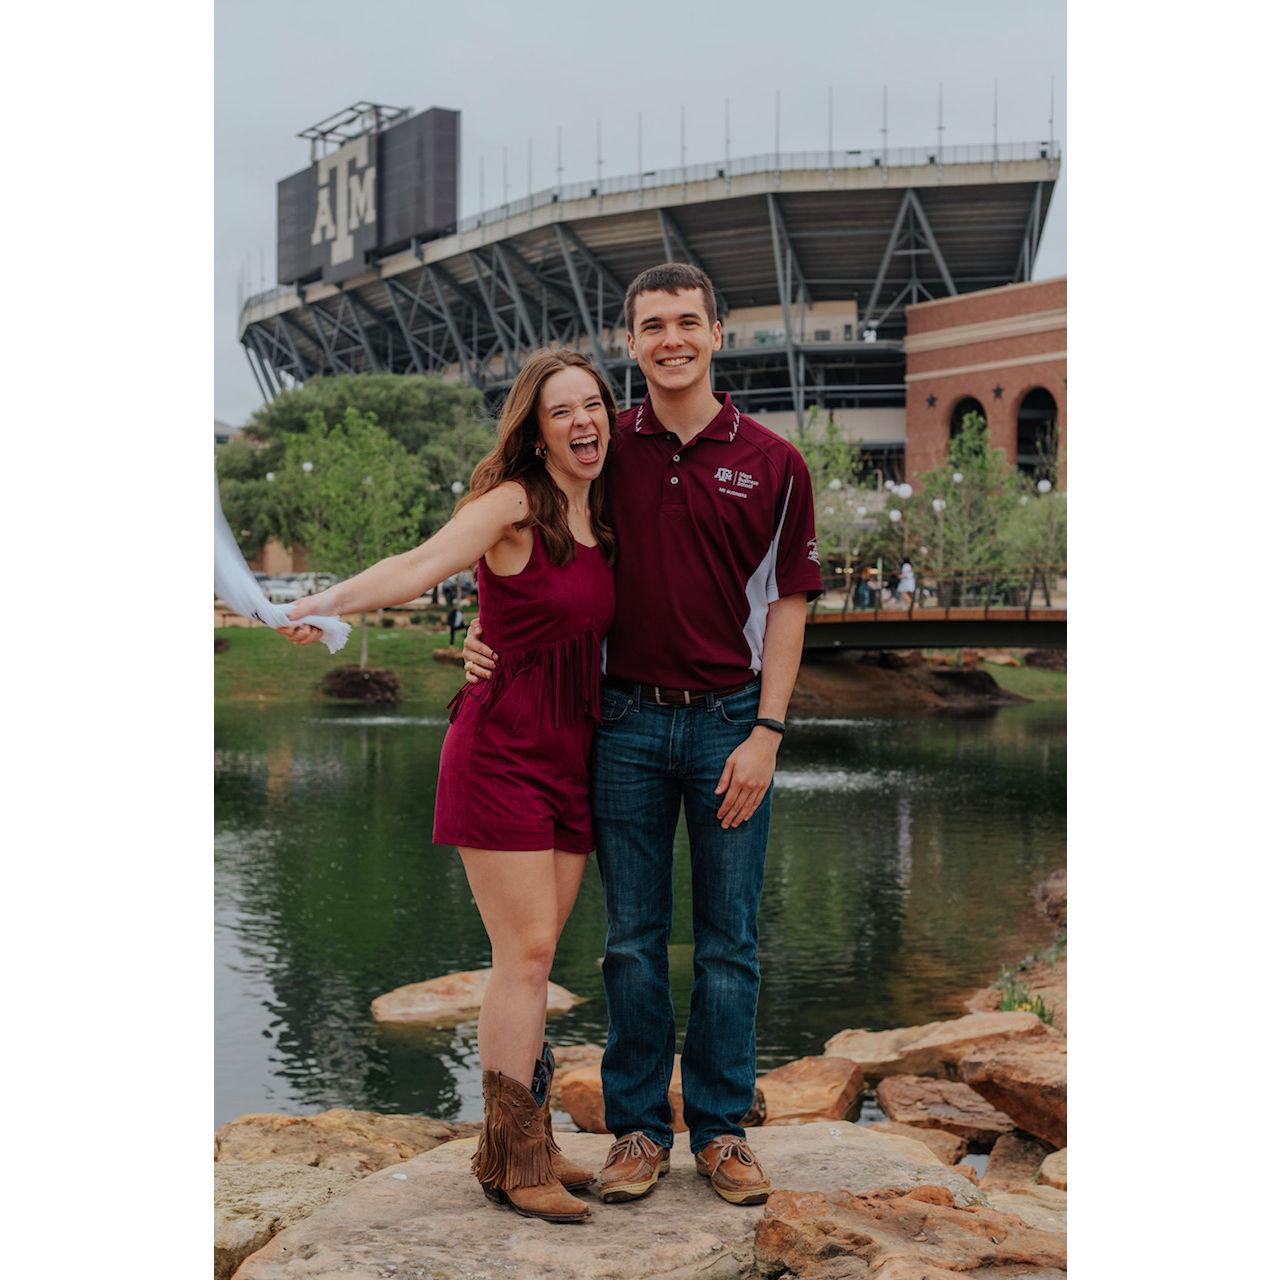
762,591
907,578
238,589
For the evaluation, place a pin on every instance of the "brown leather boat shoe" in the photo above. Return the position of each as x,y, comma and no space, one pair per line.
734,1171
632,1168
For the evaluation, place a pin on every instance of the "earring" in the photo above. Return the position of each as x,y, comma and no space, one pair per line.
540,452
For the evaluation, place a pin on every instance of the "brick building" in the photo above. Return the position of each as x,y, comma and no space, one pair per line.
1001,352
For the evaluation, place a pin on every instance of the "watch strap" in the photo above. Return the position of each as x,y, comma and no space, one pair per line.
776,725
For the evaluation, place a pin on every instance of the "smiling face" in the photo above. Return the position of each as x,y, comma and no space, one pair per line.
673,339
573,424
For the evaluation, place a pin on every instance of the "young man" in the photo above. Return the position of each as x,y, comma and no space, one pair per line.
717,559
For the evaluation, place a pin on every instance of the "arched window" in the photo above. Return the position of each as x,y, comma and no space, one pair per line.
964,406
1038,435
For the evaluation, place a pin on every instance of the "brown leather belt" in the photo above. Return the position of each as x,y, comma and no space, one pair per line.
673,697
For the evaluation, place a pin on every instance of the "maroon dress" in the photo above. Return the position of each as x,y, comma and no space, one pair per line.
514,765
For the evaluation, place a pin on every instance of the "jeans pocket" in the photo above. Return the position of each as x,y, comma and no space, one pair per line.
740,709
614,704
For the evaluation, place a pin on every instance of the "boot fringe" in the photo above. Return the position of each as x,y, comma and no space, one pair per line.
508,1158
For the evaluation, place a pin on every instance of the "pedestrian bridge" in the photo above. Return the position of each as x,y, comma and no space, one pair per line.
1025,607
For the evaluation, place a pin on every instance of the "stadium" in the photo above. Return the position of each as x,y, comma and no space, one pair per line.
819,261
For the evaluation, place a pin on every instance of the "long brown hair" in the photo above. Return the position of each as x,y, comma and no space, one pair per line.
513,457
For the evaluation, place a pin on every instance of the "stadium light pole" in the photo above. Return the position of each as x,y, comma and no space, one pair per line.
831,135
728,181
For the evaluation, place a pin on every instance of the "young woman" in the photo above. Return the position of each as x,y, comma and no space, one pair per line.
512,793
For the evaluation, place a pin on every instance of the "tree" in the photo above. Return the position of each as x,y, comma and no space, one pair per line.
353,494
1036,534
965,539
441,424
835,465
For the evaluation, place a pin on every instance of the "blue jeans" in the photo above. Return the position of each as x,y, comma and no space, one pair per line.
648,759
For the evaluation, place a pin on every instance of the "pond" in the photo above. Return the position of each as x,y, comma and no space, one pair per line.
900,864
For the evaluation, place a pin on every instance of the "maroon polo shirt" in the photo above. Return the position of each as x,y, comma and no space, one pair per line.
709,534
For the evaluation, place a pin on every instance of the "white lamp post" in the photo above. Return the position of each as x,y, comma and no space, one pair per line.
308,467
1043,486
957,477
456,487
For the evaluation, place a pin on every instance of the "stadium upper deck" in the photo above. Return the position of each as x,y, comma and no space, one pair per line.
814,256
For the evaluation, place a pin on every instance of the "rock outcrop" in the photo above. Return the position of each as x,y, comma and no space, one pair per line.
453,997
582,1096
810,1089
429,1215
1053,1172
946,1146
900,1234
1028,1082
942,1104
1014,1162
254,1200
1038,976
933,1049
569,1057
355,1142
1042,1207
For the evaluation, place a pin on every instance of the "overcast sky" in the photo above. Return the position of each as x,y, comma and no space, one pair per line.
515,72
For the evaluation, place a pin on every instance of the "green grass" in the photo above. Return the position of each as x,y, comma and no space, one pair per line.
1030,682
260,666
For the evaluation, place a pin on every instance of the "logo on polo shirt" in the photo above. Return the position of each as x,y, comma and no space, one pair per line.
724,473
813,551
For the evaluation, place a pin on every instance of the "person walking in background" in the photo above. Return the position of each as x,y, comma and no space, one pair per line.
906,583
717,560
457,622
513,790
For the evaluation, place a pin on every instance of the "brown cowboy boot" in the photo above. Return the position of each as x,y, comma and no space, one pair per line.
573,1177
513,1158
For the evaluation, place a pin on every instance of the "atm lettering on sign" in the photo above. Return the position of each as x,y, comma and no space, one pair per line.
346,187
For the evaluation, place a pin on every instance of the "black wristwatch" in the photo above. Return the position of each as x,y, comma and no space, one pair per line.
776,725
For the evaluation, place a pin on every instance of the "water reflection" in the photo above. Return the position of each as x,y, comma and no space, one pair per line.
901,857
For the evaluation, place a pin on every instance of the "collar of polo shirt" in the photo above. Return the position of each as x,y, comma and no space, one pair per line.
724,426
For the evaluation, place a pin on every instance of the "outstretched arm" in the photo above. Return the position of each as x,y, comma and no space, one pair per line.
400,578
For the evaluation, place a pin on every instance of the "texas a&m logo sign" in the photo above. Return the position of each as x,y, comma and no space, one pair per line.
346,198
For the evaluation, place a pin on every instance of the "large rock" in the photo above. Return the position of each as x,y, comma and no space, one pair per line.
898,1234
932,1049
1027,1082
946,1146
253,1201
942,1104
1015,1161
429,1216
356,1142
812,1089
1053,1172
569,1057
1042,1207
582,1096
454,997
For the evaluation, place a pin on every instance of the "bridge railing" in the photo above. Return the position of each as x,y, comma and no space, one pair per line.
1028,588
